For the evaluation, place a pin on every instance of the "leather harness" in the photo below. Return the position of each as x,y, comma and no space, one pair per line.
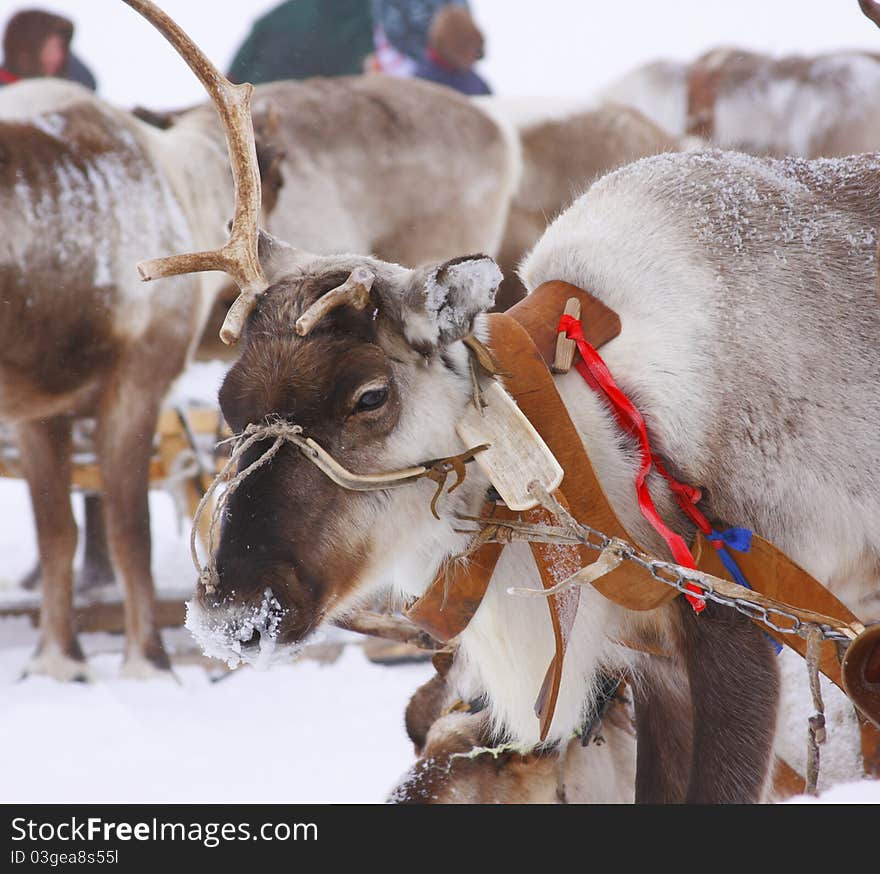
523,342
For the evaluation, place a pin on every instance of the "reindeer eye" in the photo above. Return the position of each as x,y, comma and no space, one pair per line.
371,399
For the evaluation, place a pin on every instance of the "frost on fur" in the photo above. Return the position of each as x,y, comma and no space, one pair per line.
453,295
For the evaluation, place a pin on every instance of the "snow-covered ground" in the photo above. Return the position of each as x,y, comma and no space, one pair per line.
304,733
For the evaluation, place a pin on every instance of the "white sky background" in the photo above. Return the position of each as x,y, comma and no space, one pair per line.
534,47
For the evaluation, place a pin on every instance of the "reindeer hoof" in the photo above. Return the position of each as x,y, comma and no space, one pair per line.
147,664
50,661
140,668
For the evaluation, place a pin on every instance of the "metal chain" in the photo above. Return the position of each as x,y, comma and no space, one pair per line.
682,579
773,617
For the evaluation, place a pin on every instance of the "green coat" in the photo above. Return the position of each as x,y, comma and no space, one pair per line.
302,38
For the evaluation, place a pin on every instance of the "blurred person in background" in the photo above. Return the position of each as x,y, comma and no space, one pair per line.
37,43
400,31
303,38
455,44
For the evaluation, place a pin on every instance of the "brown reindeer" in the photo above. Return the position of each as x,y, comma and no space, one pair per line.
104,187
85,186
354,372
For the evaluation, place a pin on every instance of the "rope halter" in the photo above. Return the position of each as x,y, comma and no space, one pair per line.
281,432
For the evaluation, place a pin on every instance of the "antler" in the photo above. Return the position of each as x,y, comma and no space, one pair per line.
355,291
238,257
871,9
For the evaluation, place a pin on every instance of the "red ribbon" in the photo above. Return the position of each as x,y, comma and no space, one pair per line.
597,375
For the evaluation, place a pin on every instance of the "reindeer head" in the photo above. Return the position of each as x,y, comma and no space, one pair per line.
363,363
366,358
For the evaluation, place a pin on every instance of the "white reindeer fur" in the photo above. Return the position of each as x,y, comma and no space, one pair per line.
33,97
194,158
829,109
657,89
181,205
721,269
687,326
434,184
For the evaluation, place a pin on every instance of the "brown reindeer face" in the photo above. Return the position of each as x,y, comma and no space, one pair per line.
380,389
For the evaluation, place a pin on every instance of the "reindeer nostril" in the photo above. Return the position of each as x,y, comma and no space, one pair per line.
253,642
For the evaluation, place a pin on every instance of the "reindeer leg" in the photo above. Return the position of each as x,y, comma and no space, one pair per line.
735,692
97,568
661,701
44,448
126,425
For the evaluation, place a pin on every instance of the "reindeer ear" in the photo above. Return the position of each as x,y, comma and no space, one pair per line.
277,258
443,301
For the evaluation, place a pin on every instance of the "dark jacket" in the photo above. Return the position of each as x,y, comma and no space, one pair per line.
77,71
302,38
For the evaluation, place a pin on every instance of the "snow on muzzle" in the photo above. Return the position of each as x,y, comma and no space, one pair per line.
255,611
248,633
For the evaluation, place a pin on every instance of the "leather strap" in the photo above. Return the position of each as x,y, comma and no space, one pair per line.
555,563
469,583
539,314
772,573
534,390
702,94
445,614
870,749
786,781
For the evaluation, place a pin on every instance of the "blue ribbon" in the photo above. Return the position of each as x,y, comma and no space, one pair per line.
739,539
